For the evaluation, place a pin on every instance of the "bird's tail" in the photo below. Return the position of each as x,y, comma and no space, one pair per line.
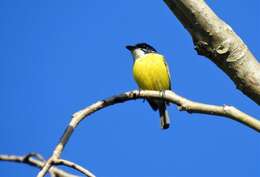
164,117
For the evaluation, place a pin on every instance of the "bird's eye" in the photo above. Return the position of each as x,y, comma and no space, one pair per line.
144,49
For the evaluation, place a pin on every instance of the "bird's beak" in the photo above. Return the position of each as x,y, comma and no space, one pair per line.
130,47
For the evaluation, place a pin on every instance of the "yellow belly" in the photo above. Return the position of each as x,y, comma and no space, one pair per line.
151,72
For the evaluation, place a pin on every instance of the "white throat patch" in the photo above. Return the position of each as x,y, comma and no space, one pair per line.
137,53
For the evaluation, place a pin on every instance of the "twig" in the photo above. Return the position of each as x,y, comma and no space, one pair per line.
74,166
183,103
33,160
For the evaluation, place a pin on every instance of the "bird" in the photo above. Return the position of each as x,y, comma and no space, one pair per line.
151,72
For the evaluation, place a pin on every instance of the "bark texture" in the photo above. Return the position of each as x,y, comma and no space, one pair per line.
216,40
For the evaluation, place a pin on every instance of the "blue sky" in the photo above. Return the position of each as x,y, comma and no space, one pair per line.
60,56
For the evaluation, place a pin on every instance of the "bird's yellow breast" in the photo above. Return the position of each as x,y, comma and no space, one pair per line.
151,72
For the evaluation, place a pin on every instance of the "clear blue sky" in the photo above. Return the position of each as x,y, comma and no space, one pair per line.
60,56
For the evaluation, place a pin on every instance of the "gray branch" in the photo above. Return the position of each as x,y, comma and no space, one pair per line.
31,159
183,104
215,39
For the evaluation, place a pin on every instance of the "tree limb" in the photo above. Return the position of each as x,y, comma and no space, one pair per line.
36,162
183,103
216,40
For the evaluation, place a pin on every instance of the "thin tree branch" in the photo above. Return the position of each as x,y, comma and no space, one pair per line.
32,160
183,103
74,166
213,38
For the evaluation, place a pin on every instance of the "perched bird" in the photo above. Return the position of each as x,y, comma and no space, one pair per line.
151,72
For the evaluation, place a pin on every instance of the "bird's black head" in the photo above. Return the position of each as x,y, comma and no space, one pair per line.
143,46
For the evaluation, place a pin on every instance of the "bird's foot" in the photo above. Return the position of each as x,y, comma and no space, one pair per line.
139,93
162,92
